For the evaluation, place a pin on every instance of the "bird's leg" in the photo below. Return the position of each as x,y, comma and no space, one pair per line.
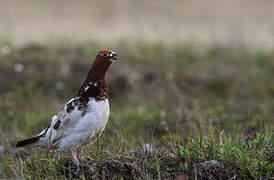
80,153
76,161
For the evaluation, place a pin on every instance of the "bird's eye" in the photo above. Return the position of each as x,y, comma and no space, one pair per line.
105,54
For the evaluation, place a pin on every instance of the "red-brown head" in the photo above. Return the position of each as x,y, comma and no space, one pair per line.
101,63
95,84
107,55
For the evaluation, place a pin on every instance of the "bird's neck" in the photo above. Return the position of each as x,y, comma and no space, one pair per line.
95,85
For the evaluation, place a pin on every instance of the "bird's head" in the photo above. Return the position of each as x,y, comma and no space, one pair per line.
102,62
106,56
95,84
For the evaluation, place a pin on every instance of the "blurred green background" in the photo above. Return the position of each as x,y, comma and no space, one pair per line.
190,64
155,86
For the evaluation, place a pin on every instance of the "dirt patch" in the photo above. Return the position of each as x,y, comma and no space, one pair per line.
110,168
209,170
115,169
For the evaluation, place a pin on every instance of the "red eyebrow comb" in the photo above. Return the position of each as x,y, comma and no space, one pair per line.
105,51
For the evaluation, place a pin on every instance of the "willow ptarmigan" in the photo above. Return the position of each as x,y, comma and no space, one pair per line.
84,117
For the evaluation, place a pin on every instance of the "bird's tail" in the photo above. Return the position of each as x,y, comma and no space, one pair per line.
25,142
37,140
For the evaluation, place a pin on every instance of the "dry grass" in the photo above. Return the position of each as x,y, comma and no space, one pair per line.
246,22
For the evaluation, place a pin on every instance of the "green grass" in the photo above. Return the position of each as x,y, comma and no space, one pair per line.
190,104
252,159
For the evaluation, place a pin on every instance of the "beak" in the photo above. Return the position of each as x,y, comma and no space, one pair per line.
113,55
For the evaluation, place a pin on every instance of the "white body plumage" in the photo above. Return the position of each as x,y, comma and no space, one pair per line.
76,129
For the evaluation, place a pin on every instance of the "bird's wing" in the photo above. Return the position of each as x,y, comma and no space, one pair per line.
62,124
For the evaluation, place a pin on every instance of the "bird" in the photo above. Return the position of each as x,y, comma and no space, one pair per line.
84,117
